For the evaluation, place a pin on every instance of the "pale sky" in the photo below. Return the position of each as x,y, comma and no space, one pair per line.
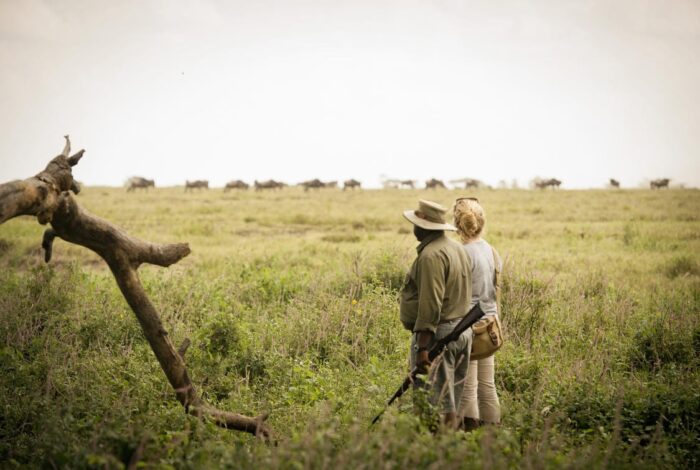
293,90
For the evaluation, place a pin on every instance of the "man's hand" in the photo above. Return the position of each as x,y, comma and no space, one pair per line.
422,361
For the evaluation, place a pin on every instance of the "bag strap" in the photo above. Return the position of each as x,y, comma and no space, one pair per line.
497,278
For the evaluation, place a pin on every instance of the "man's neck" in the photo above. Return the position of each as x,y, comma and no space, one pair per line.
429,237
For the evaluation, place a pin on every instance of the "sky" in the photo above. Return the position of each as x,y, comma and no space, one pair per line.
496,90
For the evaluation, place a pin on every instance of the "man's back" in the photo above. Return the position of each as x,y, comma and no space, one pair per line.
438,285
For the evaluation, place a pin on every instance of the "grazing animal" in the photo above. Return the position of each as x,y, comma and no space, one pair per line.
659,183
434,184
614,183
472,183
197,184
469,183
137,182
351,184
407,184
269,184
547,183
318,184
312,184
236,184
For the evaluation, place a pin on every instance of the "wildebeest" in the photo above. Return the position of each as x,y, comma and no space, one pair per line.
269,184
197,184
614,183
469,183
312,184
136,182
351,184
434,184
407,184
317,184
546,183
236,184
659,183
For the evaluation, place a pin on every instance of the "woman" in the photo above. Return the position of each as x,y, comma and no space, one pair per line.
479,404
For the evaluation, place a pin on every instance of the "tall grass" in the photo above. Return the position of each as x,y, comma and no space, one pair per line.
296,314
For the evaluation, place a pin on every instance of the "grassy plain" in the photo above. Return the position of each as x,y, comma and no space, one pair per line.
290,301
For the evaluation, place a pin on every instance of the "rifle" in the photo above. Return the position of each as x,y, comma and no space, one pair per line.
467,321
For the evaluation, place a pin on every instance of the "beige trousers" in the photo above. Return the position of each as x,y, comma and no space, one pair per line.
479,398
449,371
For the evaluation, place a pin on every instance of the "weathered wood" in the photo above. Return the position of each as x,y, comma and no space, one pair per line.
38,195
47,196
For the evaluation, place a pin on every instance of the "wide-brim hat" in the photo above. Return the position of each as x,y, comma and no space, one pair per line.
429,215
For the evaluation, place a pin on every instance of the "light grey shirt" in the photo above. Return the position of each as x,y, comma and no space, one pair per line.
483,275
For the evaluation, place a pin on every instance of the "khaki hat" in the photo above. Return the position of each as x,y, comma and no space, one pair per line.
429,215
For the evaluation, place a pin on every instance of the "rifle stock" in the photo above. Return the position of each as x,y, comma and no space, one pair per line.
467,321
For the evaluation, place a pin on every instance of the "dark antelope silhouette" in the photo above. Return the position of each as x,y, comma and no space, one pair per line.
614,183
269,184
548,183
312,184
137,182
317,184
469,183
236,184
434,184
197,184
659,183
351,184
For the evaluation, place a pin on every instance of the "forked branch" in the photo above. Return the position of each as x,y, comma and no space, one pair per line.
47,196
38,195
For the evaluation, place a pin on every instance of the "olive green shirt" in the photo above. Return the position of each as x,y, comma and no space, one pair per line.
438,286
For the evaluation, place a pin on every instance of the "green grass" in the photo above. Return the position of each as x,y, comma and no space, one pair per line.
289,299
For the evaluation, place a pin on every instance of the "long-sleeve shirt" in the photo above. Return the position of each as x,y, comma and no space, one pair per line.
438,285
483,267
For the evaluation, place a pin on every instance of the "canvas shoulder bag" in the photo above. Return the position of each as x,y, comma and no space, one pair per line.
488,332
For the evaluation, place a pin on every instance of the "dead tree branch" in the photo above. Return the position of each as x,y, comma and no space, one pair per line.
47,196
39,195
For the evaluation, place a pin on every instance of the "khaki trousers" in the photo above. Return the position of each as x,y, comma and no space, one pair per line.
449,371
479,398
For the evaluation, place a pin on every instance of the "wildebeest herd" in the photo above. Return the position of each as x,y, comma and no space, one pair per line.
138,182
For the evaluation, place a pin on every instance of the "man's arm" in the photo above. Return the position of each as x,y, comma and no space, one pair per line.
423,341
431,276
431,290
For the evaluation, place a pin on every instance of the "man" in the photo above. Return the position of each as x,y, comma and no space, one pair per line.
435,296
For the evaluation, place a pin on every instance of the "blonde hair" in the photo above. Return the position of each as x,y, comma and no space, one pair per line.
469,218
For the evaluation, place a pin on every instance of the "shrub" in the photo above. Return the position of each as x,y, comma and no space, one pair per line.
518,373
219,335
388,271
682,266
641,414
659,343
5,246
524,300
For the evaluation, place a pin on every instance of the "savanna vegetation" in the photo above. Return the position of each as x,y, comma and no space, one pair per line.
289,299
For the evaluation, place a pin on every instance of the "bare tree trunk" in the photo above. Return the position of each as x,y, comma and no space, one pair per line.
46,196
